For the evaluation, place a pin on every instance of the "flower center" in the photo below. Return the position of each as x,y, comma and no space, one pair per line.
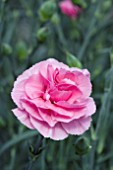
46,96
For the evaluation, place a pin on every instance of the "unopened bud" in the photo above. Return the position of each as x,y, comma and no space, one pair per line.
82,3
72,61
6,49
76,2
55,19
47,10
42,34
82,146
21,50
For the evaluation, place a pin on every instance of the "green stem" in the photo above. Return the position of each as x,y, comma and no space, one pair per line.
36,149
61,35
43,164
89,32
2,9
30,56
102,117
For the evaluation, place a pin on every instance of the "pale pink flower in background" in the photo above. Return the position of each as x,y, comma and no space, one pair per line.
69,9
54,99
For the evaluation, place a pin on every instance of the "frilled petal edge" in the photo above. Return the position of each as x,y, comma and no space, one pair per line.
56,133
23,117
78,126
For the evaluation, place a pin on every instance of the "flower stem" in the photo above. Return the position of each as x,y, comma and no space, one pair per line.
36,149
89,33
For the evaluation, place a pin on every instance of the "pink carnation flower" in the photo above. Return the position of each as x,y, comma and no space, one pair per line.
54,99
69,9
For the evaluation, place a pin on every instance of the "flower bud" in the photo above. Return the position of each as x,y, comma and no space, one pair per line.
21,50
42,34
47,10
6,49
81,3
69,9
76,2
107,4
82,146
55,19
34,154
72,61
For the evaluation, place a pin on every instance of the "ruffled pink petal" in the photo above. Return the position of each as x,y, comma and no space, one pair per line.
18,92
51,117
39,102
50,73
31,109
61,118
55,76
90,107
23,117
56,64
63,73
83,83
48,116
78,126
35,86
67,105
41,67
71,113
56,133
86,73
57,95
84,108
78,78
76,93
83,71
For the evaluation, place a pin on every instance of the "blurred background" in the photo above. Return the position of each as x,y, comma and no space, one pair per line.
31,31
